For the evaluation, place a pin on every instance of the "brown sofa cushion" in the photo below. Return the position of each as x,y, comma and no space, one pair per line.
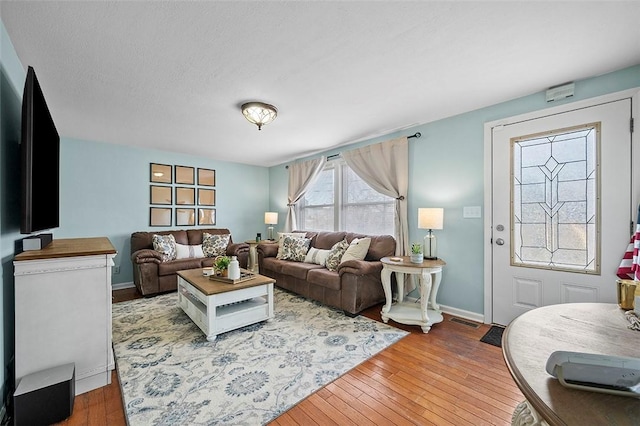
144,240
195,235
298,269
326,240
166,268
288,267
324,278
381,245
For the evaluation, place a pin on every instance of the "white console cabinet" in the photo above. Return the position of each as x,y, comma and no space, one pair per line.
63,310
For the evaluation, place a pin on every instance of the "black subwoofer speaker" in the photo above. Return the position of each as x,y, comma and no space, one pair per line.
45,397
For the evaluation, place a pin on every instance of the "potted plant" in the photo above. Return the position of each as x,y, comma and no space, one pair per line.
417,256
221,263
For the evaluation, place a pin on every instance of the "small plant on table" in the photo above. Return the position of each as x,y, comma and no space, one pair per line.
221,263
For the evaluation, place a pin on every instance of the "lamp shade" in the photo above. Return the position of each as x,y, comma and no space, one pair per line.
430,218
271,218
259,113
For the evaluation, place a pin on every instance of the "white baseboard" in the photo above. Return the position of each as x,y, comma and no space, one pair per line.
471,316
122,286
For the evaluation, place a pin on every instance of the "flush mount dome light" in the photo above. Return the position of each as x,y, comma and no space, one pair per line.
259,113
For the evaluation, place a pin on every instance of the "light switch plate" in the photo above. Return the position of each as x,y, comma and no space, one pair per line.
472,212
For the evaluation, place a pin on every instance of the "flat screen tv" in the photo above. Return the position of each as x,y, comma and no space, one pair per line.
40,162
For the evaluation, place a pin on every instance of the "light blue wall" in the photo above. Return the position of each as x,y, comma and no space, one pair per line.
105,192
446,169
12,77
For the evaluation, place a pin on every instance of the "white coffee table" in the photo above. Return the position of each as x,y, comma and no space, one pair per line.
218,307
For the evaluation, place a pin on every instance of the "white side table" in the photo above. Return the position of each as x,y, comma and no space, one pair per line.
429,273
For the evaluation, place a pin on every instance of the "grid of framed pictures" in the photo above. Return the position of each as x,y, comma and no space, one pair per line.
184,192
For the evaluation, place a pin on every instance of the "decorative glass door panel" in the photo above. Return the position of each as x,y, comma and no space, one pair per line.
555,200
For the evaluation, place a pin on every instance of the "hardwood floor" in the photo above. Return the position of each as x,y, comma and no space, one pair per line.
445,377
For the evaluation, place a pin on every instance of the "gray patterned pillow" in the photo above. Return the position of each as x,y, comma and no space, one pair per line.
293,249
215,244
165,244
335,255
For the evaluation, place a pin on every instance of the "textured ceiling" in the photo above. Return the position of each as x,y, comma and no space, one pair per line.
172,75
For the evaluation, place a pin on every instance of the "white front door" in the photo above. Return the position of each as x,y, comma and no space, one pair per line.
561,208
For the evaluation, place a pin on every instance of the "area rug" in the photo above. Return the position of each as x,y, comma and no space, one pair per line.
493,336
170,374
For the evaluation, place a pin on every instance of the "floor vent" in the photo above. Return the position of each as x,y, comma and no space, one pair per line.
464,322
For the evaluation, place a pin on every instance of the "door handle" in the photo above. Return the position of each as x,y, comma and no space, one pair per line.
500,241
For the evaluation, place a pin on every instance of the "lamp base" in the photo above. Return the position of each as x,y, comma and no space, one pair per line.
430,246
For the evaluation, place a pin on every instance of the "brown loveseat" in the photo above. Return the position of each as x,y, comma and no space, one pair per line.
152,275
353,287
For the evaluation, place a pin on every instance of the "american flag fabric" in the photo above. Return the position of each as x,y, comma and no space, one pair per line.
630,266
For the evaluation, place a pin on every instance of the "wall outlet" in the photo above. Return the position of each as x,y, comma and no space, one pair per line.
116,269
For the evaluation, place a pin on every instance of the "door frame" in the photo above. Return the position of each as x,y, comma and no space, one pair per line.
634,94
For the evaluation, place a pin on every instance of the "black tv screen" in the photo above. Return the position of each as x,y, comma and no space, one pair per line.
40,161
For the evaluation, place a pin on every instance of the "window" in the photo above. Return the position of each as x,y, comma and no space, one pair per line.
341,201
555,196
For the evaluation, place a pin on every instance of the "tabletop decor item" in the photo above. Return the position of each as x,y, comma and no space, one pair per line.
221,264
417,256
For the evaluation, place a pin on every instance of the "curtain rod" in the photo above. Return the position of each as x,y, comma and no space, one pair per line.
416,135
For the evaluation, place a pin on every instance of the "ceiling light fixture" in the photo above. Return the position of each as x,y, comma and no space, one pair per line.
259,113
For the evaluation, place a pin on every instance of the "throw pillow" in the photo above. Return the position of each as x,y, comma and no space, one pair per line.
165,244
335,254
357,249
294,249
215,244
281,235
317,256
188,252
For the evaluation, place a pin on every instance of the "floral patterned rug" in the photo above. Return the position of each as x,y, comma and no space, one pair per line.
171,375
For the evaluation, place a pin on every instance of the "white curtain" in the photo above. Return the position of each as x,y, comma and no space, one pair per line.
301,177
385,167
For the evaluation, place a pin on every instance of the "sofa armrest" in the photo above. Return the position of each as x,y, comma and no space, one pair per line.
146,256
267,249
235,249
360,267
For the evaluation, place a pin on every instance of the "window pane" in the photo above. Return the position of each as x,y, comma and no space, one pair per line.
555,200
318,219
322,191
371,219
356,190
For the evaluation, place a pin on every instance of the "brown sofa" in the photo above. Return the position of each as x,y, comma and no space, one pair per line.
151,275
353,287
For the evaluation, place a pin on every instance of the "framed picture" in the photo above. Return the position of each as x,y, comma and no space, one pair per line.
206,177
206,197
159,216
185,217
160,173
161,194
206,216
185,175
185,196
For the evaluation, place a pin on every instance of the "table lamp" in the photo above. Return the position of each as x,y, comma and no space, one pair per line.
430,218
270,218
